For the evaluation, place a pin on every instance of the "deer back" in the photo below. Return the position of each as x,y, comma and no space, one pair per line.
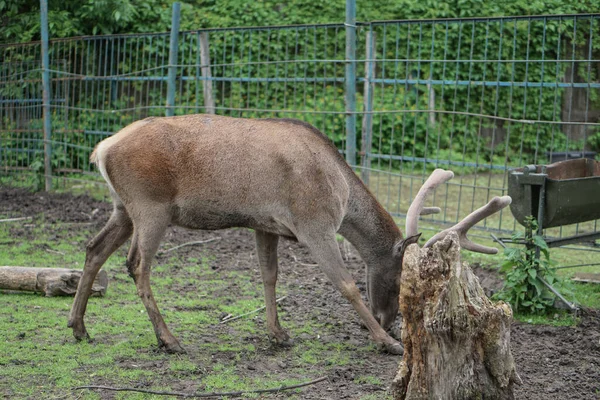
217,172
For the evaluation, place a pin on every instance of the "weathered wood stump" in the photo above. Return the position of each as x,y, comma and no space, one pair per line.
48,281
456,341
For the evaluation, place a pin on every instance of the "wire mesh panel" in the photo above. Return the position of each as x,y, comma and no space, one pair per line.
480,97
21,107
106,82
287,72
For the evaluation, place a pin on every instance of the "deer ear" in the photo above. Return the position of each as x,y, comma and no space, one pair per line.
401,246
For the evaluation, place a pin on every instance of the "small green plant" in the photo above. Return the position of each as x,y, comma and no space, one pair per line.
38,167
523,288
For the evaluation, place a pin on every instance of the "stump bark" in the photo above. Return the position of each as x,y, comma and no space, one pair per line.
456,341
48,281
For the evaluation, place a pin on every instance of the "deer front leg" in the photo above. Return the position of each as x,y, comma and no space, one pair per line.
116,232
266,248
327,254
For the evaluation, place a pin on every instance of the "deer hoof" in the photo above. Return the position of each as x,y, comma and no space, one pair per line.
173,348
282,339
289,342
79,331
392,348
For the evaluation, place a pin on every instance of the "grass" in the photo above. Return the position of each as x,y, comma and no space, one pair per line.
40,359
558,318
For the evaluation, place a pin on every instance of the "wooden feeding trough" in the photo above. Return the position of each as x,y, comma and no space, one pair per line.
558,194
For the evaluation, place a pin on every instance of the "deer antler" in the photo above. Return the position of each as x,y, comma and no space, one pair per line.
417,206
494,205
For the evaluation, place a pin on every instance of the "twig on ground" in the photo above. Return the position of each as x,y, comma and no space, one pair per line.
55,252
16,219
189,244
303,264
225,320
82,224
213,394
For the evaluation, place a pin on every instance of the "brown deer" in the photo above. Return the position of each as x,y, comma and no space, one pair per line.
280,177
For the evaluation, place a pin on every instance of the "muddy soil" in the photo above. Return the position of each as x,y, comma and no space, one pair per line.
553,362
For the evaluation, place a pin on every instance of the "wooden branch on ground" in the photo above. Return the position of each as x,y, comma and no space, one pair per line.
48,281
16,219
301,263
229,318
456,341
213,394
189,244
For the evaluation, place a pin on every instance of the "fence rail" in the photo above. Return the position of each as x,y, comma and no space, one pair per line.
479,95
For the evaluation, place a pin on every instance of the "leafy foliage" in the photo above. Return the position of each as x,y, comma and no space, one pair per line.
19,21
523,288
447,52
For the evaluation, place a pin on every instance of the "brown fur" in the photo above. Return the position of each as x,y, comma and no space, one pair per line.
280,177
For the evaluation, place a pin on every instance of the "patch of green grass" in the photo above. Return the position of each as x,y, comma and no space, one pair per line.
559,318
182,365
316,352
588,294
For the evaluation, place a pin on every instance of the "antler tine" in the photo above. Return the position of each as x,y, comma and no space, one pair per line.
417,206
430,210
494,205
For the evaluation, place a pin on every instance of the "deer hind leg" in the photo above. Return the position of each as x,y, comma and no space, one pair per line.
325,250
116,232
266,247
147,234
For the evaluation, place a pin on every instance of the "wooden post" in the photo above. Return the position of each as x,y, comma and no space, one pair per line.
48,281
173,53
431,104
367,123
350,82
46,96
456,341
209,100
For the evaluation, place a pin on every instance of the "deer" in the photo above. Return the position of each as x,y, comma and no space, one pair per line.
279,177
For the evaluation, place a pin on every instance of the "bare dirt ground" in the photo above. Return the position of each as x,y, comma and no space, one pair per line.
553,362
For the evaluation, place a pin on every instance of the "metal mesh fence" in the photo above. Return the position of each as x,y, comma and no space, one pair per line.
481,97
478,96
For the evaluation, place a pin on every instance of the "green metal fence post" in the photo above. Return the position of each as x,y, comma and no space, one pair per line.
173,50
350,82
367,122
46,95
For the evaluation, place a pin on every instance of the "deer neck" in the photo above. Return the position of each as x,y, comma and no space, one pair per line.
370,228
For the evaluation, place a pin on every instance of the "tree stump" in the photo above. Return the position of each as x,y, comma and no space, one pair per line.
49,281
456,341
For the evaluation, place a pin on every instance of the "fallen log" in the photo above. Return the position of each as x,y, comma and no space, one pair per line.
48,281
456,341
